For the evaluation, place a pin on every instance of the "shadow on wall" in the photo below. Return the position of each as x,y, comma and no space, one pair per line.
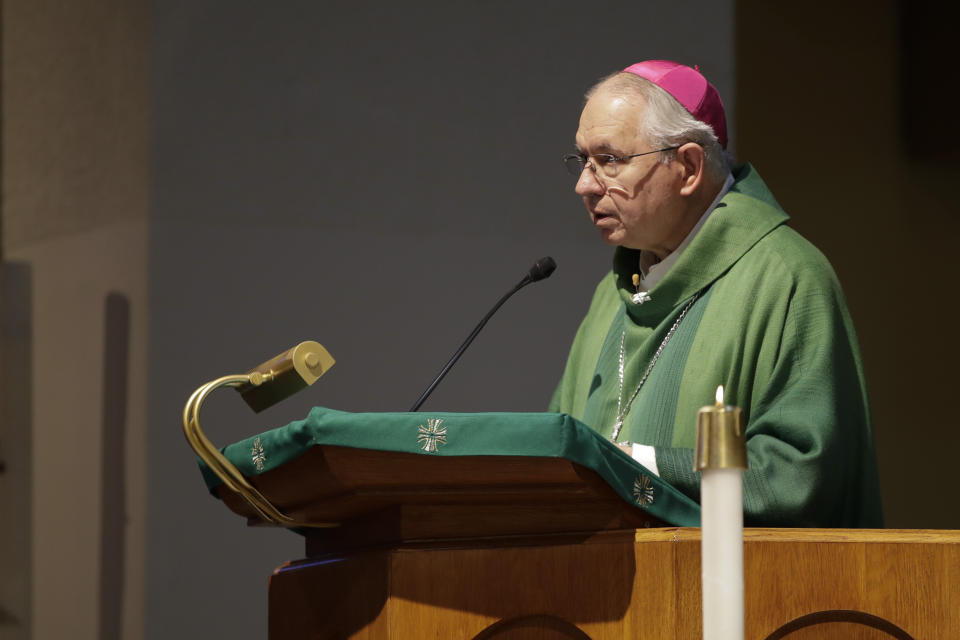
16,376
116,351
16,395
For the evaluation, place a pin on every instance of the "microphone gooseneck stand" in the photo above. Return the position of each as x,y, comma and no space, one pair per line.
540,270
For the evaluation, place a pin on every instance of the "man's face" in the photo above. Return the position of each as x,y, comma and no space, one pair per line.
636,208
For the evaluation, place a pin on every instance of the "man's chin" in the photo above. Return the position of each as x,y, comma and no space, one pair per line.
617,240
612,237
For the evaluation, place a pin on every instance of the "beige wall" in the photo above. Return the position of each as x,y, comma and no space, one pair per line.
75,178
818,115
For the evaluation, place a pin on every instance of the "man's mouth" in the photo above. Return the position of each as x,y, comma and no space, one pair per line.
599,216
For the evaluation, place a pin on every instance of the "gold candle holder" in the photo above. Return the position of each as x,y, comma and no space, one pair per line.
721,441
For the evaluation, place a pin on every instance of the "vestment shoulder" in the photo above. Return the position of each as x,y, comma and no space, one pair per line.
784,253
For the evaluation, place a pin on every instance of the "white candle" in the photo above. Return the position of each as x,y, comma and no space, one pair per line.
721,458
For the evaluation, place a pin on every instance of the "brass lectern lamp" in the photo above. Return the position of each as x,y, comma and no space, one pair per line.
261,387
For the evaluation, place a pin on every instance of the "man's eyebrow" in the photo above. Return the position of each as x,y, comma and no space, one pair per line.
603,147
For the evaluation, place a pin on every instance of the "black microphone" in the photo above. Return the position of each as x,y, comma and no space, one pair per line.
541,269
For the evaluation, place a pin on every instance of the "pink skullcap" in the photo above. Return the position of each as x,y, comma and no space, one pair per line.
690,89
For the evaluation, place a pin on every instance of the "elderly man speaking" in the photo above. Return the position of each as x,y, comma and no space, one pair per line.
710,286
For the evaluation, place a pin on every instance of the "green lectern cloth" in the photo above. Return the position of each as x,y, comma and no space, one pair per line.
549,435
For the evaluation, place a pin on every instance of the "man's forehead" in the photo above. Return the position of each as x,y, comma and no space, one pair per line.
609,122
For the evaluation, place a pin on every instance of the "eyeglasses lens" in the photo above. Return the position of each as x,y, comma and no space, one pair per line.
574,164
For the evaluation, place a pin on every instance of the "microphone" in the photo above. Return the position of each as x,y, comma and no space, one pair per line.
540,270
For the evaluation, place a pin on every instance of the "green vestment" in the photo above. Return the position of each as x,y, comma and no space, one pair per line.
770,325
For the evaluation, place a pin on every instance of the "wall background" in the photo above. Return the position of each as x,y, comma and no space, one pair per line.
75,175
375,178
245,177
842,118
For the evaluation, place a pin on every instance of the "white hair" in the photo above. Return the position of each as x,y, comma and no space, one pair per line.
666,123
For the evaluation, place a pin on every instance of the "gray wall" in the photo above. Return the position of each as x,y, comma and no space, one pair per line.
372,177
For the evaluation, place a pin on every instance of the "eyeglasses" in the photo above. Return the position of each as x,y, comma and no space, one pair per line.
606,162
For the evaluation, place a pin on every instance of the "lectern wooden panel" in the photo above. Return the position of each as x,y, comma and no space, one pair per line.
800,584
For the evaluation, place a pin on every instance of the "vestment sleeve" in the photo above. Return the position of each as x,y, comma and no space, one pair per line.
573,389
809,442
554,406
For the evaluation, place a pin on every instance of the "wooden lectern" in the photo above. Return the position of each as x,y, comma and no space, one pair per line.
474,545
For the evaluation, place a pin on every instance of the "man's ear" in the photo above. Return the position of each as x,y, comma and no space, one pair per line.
692,159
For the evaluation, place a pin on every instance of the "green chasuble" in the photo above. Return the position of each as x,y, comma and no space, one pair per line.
771,325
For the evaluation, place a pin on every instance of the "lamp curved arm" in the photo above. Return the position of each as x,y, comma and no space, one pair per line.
218,463
261,387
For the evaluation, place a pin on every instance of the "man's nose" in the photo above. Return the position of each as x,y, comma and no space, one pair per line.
589,183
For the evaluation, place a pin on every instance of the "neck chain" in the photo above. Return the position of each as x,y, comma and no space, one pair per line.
622,408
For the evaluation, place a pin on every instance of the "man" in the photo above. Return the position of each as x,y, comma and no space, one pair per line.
710,286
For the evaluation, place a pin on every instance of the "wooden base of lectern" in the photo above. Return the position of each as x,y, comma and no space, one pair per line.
800,584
